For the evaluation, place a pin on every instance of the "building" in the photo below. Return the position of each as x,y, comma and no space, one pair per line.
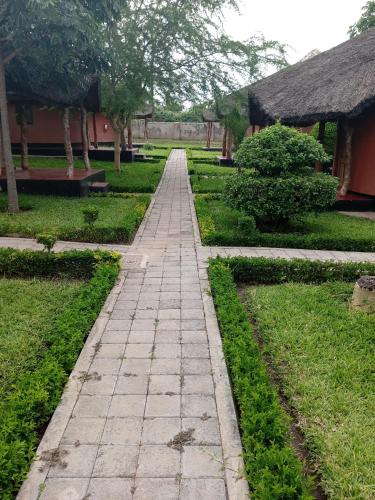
334,86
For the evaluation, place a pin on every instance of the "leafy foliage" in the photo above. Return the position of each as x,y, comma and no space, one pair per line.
47,240
280,150
90,215
330,137
28,407
274,201
325,231
366,21
272,467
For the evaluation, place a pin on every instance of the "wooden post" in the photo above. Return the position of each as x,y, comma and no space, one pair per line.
321,134
95,131
68,143
229,144
117,150
146,129
346,158
85,139
130,134
224,148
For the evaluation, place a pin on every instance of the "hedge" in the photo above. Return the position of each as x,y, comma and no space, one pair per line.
272,467
25,412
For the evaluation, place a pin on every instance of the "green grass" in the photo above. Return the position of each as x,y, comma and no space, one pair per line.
205,178
134,177
27,309
156,152
219,225
43,325
323,353
118,219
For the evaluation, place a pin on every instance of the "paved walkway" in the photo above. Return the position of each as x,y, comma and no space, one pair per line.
148,412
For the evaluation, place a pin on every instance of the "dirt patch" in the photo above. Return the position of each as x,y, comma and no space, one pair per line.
181,439
53,458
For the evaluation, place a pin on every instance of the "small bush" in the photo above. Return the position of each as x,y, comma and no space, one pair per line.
280,150
330,137
274,201
246,223
47,240
90,215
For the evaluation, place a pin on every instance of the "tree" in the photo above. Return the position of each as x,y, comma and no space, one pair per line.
171,52
52,41
366,21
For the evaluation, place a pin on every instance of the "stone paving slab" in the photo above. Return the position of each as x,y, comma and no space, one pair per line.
148,410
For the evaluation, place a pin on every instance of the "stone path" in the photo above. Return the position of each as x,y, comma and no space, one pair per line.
148,413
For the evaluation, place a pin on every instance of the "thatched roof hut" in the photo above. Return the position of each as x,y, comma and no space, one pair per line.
338,83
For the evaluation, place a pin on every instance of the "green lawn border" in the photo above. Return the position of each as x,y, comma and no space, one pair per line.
313,241
272,467
29,407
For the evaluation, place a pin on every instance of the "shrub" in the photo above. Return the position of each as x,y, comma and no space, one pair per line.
280,150
148,146
90,215
47,240
25,412
274,201
330,137
246,223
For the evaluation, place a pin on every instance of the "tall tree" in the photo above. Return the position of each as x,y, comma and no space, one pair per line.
366,21
52,41
172,51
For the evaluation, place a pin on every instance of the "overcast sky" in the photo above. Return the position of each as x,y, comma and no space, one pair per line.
304,25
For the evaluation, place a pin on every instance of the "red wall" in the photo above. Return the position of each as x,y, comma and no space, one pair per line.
363,162
47,127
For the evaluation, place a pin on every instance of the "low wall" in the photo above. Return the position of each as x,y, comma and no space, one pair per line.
178,131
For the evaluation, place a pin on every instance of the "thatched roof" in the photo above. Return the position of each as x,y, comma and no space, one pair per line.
86,91
334,84
144,113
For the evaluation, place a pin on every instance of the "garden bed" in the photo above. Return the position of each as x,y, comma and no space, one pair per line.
221,225
48,304
119,217
208,178
134,177
320,352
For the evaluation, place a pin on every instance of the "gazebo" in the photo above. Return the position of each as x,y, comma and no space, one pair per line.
334,86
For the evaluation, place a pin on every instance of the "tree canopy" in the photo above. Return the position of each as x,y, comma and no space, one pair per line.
366,21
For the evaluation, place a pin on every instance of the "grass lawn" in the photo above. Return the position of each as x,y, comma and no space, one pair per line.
134,177
118,219
219,225
27,309
323,355
205,178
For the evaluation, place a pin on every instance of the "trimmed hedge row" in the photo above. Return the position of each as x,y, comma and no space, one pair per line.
74,264
272,271
279,240
25,411
272,467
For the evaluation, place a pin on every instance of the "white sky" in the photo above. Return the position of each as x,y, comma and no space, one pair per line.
303,25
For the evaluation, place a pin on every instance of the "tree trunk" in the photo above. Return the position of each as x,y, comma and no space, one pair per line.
117,150
95,131
224,149
13,205
130,134
146,130
347,158
85,139
229,144
68,143
24,144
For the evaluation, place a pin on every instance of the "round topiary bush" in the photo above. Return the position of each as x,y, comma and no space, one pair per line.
274,201
280,150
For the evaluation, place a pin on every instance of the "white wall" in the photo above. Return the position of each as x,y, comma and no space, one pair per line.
179,131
